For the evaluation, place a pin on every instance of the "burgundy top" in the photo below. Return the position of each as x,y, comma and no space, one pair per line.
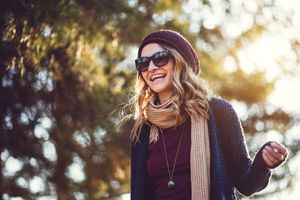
157,167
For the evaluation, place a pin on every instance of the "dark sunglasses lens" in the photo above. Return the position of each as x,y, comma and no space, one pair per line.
161,60
142,64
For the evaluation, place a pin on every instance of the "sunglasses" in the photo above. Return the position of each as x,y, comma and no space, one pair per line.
159,59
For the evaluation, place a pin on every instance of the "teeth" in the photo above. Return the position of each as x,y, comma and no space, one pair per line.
155,76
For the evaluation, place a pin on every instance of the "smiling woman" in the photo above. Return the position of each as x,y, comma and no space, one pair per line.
185,143
159,76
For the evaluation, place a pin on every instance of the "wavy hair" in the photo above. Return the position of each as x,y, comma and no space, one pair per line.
191,95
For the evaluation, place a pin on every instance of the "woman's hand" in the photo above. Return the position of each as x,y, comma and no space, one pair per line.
274,154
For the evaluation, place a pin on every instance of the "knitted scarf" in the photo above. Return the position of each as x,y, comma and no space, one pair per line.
162,116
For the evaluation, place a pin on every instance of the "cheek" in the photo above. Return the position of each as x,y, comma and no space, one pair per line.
144,75
144,78
171,73
170,81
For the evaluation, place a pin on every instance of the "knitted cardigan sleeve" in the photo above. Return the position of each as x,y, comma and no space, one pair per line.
248,176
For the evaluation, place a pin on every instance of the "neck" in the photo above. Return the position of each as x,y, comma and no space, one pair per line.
163,97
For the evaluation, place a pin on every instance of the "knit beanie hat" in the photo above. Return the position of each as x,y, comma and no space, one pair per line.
176,41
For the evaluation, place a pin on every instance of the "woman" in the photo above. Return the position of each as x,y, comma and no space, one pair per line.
185,144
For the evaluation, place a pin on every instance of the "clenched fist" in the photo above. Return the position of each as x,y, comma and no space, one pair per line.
274,154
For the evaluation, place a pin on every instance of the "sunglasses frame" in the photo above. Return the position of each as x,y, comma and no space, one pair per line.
146,60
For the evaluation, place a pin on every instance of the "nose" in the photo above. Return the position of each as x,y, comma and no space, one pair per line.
151,66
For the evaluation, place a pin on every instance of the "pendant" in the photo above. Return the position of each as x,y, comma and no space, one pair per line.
171,184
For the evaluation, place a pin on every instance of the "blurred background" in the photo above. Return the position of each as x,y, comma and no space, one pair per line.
65,65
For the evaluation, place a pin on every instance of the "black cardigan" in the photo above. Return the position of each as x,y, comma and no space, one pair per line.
231,165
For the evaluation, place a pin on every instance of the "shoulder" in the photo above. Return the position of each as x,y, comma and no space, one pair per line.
219,105
224,115
223,111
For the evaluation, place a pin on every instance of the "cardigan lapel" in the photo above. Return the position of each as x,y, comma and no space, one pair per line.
142,182
219,174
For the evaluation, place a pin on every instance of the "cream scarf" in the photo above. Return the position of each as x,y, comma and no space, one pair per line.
162,116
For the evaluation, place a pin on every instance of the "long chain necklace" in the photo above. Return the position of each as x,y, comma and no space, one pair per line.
171,183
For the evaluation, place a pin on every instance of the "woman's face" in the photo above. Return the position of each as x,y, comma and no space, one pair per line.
159,79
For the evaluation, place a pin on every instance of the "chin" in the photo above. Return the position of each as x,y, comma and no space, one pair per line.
158,89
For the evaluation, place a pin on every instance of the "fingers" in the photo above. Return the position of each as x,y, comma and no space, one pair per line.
280,148
274,154
267,160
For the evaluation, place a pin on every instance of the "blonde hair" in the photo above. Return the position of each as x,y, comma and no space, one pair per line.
191,98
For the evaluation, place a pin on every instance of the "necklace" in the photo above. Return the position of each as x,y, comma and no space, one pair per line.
171,183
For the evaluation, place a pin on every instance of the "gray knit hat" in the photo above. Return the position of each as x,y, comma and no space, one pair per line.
176,41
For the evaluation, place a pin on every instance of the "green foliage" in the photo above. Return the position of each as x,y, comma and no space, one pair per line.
251,88
63,70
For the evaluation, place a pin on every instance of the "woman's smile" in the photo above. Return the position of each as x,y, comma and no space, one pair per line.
157,76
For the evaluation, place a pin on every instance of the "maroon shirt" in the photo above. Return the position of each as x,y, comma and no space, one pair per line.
157,167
